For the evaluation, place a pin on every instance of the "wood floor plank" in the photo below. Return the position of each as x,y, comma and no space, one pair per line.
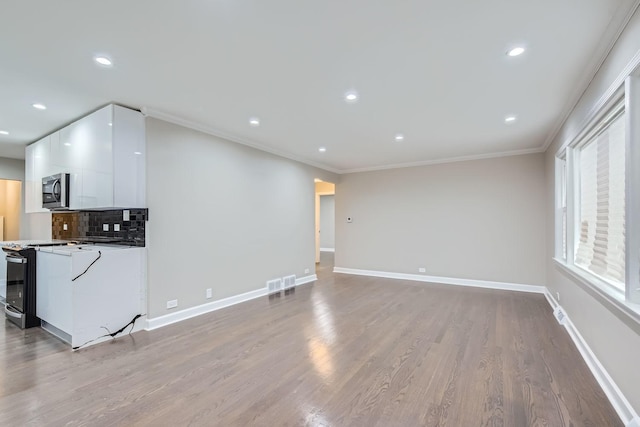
343,351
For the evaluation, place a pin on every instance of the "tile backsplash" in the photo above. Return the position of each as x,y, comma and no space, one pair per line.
89,224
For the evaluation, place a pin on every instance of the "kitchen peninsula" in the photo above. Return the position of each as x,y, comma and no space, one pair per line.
86,293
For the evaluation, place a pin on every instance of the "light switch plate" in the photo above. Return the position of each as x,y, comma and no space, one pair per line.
65,227
105,227
116,227
125,215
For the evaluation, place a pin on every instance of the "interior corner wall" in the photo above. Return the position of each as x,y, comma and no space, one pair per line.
613,337
223,216
480,219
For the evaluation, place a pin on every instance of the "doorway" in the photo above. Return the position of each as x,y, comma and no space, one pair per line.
325,226
10,201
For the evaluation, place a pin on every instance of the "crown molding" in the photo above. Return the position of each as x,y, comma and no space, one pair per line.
446,160
167,117
588,78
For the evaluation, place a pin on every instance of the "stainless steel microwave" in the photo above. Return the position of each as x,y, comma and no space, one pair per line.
55,191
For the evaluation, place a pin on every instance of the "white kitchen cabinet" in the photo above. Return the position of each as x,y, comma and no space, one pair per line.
54,294
108,293
104,153
37,165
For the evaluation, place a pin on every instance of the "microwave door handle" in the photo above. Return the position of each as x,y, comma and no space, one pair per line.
53,190
16,260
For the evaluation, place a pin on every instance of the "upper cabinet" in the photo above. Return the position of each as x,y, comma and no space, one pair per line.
36,165
104,153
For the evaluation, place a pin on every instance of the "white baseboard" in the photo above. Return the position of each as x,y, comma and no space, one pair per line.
306,279
444,280
168,319
327,249
620,403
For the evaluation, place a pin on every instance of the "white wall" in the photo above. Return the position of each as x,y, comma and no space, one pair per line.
480,220
614,338
327,222
222,216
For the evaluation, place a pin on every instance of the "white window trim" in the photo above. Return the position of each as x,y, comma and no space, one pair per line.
560,253
628,301
632,227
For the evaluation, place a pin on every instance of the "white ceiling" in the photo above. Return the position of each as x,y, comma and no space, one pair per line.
435,71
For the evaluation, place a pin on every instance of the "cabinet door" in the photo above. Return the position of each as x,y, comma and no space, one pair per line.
54,299
37,166
128,158
29,180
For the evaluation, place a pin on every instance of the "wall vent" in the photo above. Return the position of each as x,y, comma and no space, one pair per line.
274,286
290,281
560,316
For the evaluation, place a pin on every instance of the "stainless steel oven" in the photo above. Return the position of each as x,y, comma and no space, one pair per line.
55,191
20,305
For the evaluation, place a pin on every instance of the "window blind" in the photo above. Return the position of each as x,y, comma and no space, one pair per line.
601,222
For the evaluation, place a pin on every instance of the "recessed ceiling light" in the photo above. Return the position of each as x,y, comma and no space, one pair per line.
254,121
103,60
40,106
68,144
4,132
137,152
510,119
110,124
322,149
351,96
516,51
399,137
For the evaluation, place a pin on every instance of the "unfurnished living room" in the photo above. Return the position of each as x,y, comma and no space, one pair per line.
285,213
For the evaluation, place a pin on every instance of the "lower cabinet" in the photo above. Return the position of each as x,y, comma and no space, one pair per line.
89,292
54,292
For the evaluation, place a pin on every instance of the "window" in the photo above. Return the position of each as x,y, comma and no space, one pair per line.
600,164
597,201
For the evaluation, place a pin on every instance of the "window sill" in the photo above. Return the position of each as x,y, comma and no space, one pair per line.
608,293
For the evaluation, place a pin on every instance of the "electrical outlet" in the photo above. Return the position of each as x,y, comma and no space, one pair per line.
125,215
422,270
65,227
172,304
116,227
306,271
209,293
105,227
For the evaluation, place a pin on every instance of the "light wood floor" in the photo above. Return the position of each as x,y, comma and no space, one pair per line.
344,351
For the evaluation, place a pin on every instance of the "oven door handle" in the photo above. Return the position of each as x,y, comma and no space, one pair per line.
16,260
10,311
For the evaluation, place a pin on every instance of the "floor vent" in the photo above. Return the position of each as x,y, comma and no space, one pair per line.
561,317
289,282
274,286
